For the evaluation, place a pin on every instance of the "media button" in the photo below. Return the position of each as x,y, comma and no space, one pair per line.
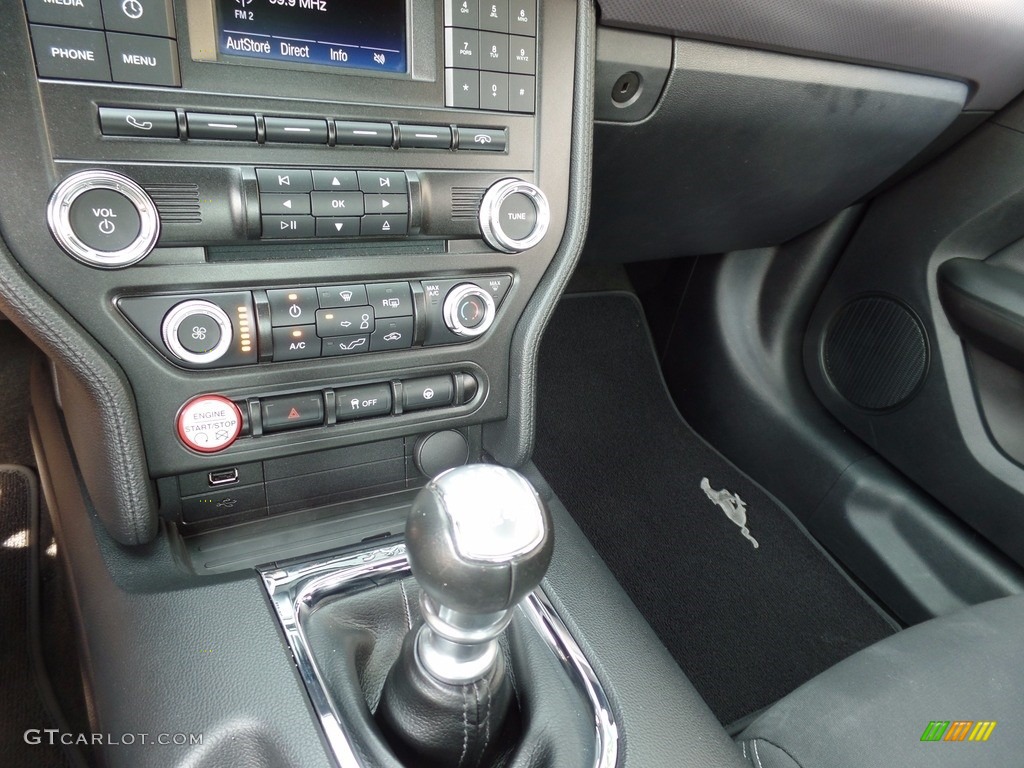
145,123
335,181
382,182
363,134
81,13
284,180
288,227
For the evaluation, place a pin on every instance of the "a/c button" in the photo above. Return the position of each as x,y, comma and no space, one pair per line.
296,342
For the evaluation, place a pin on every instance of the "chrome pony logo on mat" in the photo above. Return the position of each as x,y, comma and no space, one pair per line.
959,730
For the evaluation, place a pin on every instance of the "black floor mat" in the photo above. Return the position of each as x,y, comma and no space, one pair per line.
21,709
746,624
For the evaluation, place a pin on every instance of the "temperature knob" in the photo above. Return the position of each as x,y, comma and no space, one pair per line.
197,331
514,215
468,310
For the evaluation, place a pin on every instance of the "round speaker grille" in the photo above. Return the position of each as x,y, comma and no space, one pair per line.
875,353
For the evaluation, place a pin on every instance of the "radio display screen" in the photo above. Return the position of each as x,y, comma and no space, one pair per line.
360,34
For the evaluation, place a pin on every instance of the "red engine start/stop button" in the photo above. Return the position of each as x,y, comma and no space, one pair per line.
209,423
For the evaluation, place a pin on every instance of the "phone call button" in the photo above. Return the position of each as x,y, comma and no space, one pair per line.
145,123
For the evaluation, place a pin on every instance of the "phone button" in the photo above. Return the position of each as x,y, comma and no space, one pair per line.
482,139
146,123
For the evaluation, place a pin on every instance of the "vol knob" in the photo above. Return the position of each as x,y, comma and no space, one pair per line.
514,215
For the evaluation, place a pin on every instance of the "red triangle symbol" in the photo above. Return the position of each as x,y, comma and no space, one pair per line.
294,414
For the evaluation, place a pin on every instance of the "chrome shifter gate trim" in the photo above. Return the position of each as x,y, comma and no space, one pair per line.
297,590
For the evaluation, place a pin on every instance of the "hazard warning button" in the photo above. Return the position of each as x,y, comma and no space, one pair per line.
292,411
209,423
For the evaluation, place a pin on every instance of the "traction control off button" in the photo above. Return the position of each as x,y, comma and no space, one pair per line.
209,423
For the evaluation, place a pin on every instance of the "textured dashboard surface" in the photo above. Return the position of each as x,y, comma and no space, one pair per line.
977,41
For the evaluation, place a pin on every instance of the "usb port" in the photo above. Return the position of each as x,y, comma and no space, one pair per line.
223,477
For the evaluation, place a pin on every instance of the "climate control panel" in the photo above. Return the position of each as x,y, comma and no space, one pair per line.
246,327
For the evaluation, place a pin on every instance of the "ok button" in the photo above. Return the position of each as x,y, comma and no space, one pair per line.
105,220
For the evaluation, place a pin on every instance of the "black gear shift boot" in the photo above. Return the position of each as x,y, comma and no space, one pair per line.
356,639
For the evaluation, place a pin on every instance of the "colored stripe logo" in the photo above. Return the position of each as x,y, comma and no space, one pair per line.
958,730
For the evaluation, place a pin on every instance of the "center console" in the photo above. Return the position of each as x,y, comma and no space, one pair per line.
316,239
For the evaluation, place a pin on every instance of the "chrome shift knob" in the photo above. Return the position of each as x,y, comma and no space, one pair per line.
479,540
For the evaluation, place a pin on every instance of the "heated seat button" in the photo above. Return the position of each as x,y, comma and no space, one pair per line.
292,412
105,220
430,392
360,402
296,306
296,342
390,299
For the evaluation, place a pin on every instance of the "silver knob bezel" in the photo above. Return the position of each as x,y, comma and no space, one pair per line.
58,217
490,223
450,310
172,322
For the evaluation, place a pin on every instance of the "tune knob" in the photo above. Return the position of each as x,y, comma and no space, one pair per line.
468,310
514,215
103,219
197,331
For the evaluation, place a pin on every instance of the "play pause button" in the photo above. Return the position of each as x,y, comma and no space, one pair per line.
288,226
337,226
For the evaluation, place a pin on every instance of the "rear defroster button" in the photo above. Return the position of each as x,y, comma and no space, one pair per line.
209,423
